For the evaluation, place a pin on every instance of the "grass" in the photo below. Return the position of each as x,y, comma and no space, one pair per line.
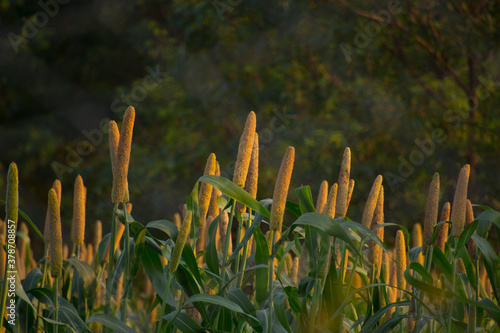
318,272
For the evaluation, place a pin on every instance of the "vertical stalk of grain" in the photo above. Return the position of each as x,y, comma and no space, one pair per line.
241,169
174,262
251,187
343,191
443,229
11,213
417,241
78,226
55,250
245,150
349,194
120,170
213,207
206,190
471,245
459,207
371,202
431,212
330,206
374,250
281,190
400,259
322,196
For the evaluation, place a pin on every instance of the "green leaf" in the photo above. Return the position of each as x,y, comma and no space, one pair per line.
246,237
184,323
370,323
466,235
110,322
261,258
85,271
491,308
428,288
442,262
216,300
328,225
234,191
166,226
154,270
490,260
211,257
69,315
305,199
279,307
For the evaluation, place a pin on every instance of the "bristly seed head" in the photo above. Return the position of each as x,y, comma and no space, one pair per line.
120,183
78,226
443,229
245,150
459,207
206,190
180,242
431,211
343,192
371,202
330,206
400,259
55,248
322,196
281,190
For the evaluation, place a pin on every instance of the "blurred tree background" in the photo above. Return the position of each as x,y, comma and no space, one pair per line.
411,87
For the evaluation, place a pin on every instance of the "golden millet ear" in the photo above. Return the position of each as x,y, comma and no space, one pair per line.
119,232
400,259
443,229
90,253
329,208
97,233
46,231
343,191
431,212
417,241
213,207
371,202
471,245
245,150
78,226
459,207
281,190
114,139
12,201
180,242
252,175
120,184
349,194
374,250
253,170
55,248
322,196
206,190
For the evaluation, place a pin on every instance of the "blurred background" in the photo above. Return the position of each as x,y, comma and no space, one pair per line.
411,87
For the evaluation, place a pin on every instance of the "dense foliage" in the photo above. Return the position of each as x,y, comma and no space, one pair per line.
378,77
